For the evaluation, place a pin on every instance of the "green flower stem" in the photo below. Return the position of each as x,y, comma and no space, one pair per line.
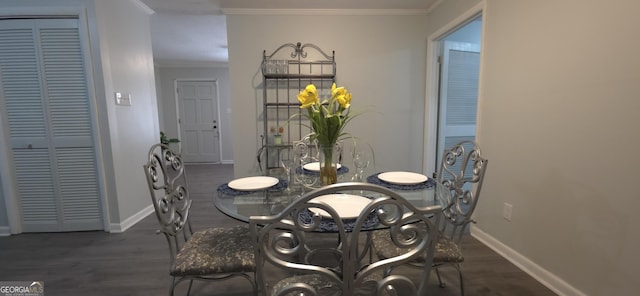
328,170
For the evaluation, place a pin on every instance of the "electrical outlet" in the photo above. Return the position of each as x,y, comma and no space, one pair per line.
506,211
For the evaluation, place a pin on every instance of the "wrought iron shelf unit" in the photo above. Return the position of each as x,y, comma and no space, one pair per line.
296,104
298,76
285,72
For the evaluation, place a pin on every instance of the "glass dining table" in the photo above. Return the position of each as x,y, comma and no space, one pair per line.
244,203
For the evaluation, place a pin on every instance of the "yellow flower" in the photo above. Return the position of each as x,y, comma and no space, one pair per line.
308,97
327,117
341,95
344,100
335,90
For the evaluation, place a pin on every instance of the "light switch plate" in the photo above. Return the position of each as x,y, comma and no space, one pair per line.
506,211
123,99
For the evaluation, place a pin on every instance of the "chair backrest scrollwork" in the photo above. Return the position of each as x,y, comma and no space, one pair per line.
289,241
166,177
462,173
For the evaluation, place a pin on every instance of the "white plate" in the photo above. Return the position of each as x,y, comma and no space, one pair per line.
348,206
253,183
315,166
403,178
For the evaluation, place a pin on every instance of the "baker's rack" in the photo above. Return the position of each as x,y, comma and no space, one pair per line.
285,72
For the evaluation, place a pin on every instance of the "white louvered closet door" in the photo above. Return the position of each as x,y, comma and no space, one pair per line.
47,106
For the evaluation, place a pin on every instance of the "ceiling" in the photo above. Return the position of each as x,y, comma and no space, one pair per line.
194,31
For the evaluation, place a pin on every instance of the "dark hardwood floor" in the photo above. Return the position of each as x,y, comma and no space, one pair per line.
136,262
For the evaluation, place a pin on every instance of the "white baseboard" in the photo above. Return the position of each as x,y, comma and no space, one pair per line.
550,280
226,161
127,223
113,227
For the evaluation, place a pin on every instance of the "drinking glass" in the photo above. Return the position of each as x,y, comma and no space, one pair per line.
361,160
286,165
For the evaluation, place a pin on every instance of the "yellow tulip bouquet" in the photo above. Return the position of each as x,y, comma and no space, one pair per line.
328,118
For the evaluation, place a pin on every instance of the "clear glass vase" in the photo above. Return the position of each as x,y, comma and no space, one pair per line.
328,158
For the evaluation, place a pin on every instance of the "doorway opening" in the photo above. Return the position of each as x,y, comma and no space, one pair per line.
459,72
453,75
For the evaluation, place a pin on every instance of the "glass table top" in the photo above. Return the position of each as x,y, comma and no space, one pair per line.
243,204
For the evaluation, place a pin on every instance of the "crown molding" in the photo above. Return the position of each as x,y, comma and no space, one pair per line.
246,11
143,6
433,6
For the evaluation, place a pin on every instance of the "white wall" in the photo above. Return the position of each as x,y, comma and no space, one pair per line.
166,96
558,122
125,46
384,69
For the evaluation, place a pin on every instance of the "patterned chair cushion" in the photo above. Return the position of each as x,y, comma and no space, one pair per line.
446,251
216,250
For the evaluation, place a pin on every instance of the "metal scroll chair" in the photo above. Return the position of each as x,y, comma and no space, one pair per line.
461,173
209,254
289,262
